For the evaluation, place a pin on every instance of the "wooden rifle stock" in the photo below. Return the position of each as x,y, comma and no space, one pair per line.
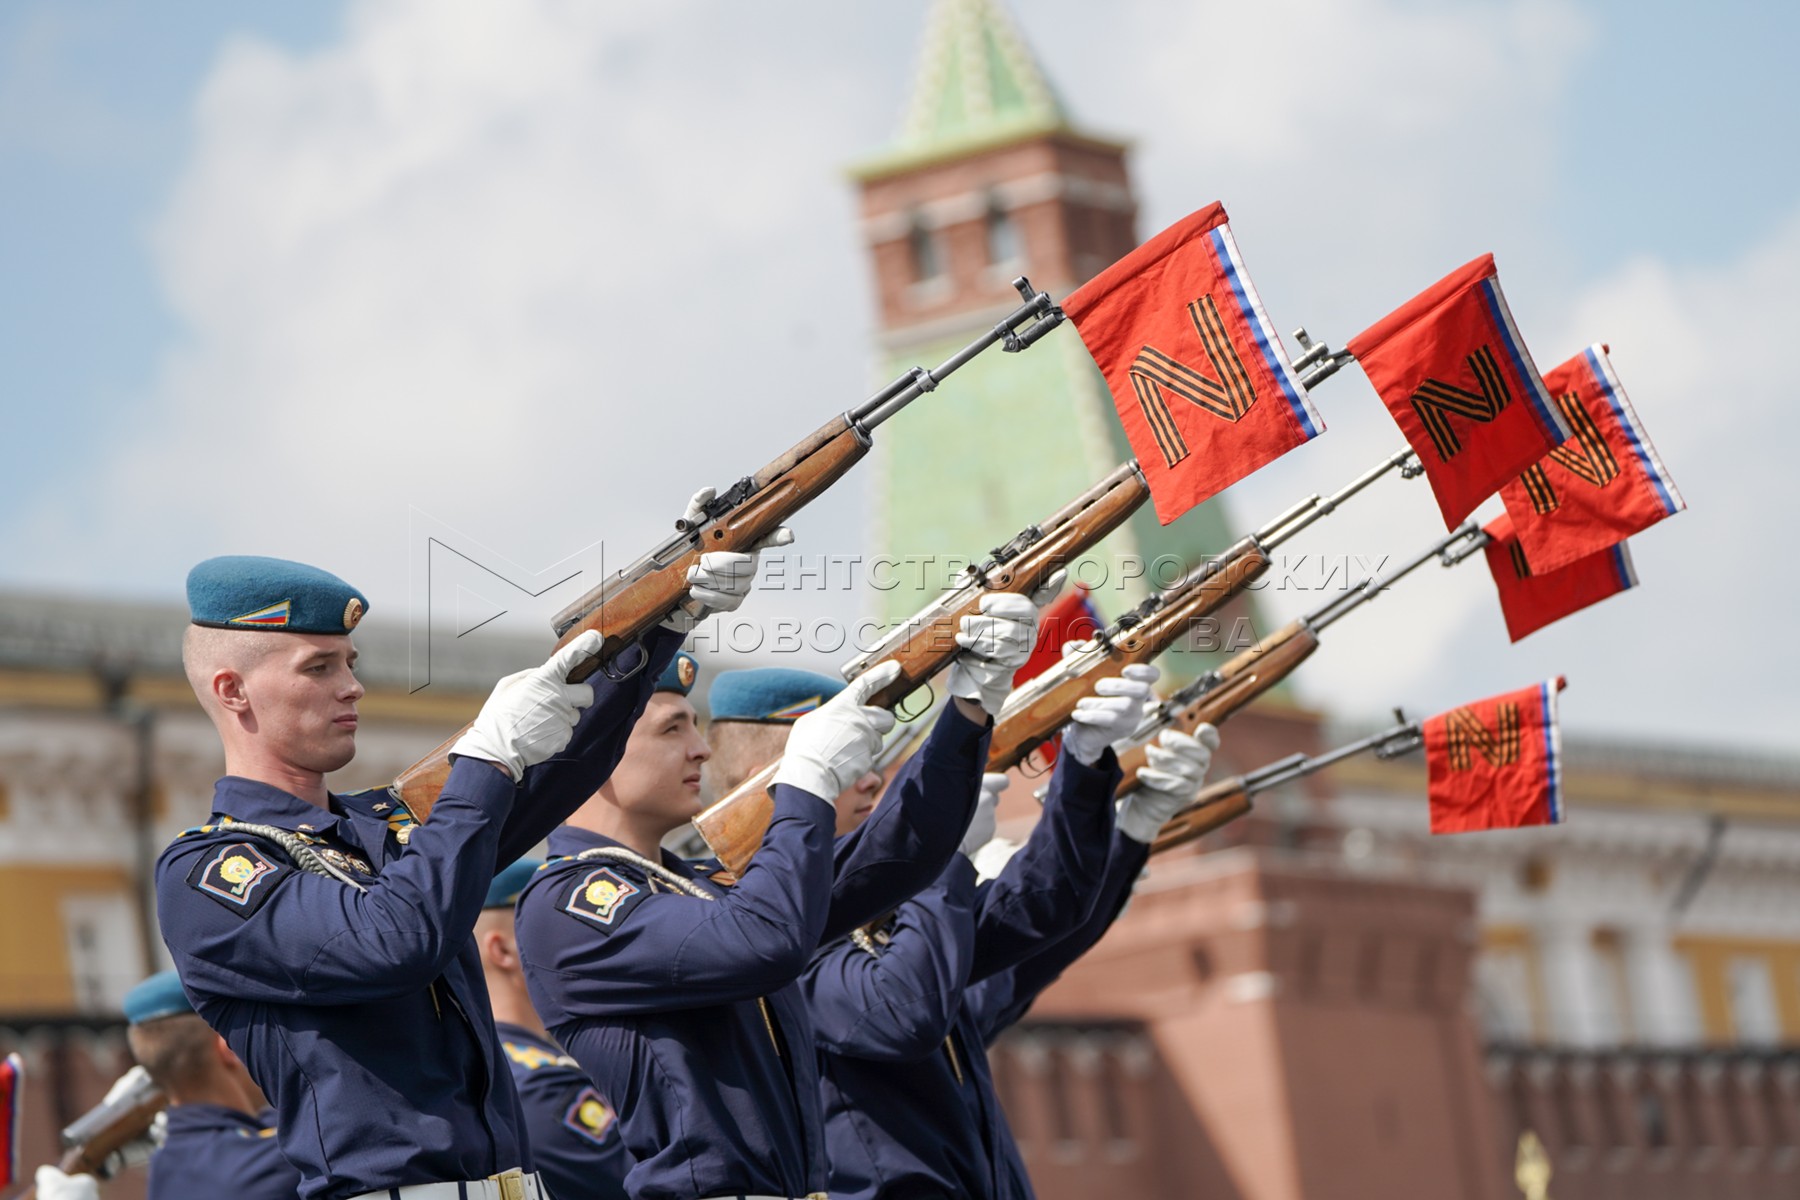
1218,804
1044,709
632,603
1242,679
733,827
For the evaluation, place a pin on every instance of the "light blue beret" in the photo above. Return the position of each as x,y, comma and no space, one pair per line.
769,695
679,675
504,891
246,592
158,996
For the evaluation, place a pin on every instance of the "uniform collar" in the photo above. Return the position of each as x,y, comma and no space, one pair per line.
193,1118
566,841
265,804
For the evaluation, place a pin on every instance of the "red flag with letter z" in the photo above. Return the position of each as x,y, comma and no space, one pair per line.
1201,381
1600,487
1458,380
1532,599
1497,763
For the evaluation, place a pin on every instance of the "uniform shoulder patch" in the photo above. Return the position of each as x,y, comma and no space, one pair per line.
238,876
590,1116
601,896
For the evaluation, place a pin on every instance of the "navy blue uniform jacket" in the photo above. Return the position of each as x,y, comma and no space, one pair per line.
910,1106
216,1151
364,1015
686,1013
574,1133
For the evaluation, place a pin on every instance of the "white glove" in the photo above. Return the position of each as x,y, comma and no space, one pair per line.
992,858
722,578
52,1184
982,824
531,715
1110,714
1177,772
997,642
838,741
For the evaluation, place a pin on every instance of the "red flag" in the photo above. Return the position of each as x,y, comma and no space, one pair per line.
1497,763
1532,599
1202,384
1599,487
12,1105
1461,385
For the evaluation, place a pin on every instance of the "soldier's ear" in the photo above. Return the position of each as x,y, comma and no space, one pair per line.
226,1055
498,949
229,692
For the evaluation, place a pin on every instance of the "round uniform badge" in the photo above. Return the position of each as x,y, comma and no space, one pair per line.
685,671
353,613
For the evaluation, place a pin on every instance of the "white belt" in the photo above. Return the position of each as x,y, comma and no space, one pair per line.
508,1185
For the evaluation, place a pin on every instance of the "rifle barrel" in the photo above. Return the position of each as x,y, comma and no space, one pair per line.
1037,308
1341,606
1317,508
1399,739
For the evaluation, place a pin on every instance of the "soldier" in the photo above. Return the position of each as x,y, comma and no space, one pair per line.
678,996
910,1108
220,1133
327,937
572,1130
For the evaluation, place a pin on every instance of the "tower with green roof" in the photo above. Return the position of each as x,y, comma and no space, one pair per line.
988,179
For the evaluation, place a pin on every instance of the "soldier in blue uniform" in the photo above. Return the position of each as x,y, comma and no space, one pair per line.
221,1132
678,996
905,1012
573,1132
327,937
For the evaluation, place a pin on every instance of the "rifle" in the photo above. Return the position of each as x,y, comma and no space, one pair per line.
101,1142
1035,712
1229,799
1213,697
635,599
734,825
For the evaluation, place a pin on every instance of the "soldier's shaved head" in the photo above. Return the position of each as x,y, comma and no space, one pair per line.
206,651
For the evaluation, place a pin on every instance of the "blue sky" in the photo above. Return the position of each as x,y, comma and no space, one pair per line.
231,228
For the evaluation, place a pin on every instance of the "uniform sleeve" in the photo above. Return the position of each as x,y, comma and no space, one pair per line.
1049,887
899,1005
575,1141
915,829
243,922
999,1001
597,939
555,788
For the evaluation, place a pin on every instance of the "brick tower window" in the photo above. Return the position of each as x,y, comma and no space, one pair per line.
922,244
1003,247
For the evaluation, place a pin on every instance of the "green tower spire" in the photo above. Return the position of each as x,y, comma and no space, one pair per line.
988,179
977,84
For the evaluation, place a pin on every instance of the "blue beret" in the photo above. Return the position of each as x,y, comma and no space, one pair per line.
770,695
158,996
504,891
679,675
245,592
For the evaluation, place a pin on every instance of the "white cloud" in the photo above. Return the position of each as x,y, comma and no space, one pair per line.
537,271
